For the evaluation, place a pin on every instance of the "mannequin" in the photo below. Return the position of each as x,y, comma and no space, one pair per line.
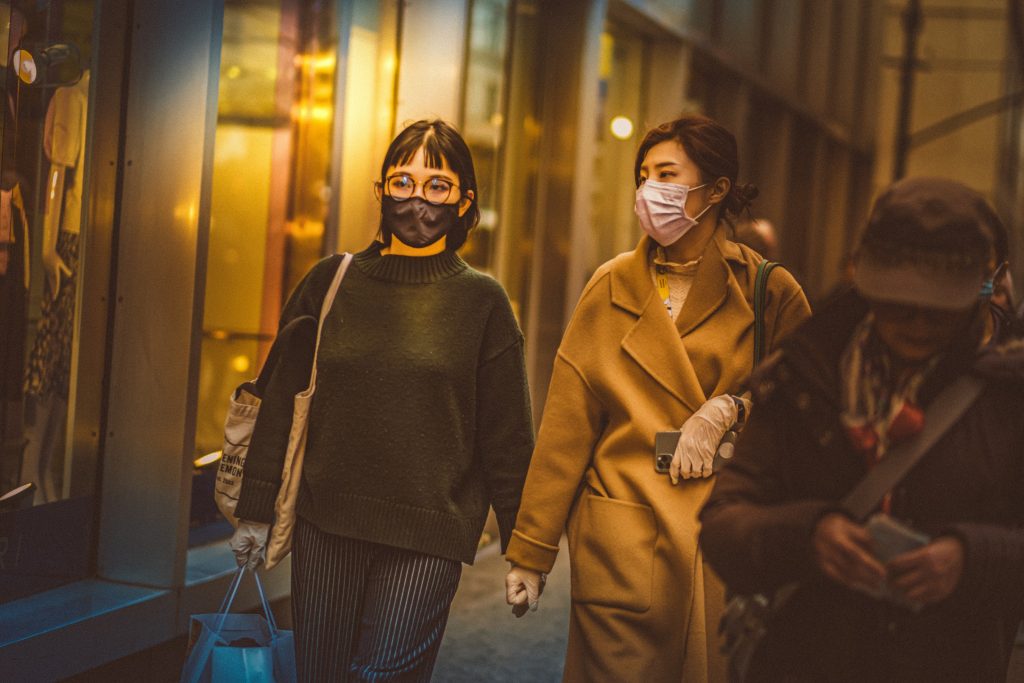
48,372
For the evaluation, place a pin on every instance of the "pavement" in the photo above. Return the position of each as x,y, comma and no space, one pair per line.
485,642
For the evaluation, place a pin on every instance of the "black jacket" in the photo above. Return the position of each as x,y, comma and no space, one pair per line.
794,463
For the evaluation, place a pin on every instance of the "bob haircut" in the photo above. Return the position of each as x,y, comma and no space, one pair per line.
711,147
440,142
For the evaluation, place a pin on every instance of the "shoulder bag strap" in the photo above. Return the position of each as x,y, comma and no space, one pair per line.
948,407
346,259
764,269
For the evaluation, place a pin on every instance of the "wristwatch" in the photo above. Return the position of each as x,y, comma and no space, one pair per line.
741,412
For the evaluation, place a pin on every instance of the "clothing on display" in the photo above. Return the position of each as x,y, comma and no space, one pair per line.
48,369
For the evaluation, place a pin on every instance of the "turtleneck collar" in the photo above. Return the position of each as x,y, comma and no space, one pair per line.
408,269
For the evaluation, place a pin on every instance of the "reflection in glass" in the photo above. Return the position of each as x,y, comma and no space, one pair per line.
483,121
621,70
44,53
269,201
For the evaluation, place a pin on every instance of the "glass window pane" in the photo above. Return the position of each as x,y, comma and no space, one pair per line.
369,118
620,117
483,126
45,532
269,202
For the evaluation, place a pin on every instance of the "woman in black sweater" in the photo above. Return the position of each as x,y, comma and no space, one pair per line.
421,421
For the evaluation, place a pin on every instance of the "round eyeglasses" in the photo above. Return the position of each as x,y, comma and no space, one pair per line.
436,190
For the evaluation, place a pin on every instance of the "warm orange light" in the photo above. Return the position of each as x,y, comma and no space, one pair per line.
208,459
241,363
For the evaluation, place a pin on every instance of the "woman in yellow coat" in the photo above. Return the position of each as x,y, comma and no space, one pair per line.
661,339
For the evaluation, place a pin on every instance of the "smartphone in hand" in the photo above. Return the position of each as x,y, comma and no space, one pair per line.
891,539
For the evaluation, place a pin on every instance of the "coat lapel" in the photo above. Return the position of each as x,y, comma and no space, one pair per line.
709,289
654,342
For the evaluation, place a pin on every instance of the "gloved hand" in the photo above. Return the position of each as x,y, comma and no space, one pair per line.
700,436
250,543
523,588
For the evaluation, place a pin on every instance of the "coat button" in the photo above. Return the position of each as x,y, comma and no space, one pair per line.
825,438
803,401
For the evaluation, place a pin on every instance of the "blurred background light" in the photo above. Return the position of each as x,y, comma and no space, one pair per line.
622,127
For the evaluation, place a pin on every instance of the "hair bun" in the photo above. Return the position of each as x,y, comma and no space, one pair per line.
740,197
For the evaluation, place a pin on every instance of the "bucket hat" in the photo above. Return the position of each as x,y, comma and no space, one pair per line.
928,242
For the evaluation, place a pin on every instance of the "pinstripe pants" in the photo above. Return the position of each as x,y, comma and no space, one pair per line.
365,611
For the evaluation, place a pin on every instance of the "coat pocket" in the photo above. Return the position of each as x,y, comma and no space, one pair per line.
612,553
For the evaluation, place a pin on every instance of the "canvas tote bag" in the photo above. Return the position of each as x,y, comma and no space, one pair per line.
243,410
279,543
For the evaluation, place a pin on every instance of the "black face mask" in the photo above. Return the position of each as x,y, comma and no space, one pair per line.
416,222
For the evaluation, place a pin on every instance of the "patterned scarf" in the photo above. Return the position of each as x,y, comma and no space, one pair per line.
877,412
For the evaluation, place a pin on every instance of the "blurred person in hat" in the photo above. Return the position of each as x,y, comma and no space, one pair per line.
845,389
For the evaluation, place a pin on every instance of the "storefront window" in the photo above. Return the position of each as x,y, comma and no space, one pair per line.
47,495
271,190
484,121
369,114
620,115
273,181
517,239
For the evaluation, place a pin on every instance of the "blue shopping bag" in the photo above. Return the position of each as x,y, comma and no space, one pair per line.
230,648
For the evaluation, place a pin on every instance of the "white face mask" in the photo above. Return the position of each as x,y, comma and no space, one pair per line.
661,208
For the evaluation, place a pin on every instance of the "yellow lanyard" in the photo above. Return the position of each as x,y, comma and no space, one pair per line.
664,292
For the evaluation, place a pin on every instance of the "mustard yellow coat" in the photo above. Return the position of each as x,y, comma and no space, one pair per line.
644,605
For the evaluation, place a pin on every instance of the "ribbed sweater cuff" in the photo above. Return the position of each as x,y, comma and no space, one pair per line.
256,502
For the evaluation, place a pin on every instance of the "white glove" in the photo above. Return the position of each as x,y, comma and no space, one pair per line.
700,436
250,543
523,588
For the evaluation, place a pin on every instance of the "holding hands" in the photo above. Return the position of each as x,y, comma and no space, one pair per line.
522,589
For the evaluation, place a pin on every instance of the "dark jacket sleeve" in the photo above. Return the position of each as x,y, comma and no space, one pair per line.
994,554
993,567
504,424
754,534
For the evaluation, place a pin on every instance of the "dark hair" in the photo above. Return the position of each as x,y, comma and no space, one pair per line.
711,147
440,142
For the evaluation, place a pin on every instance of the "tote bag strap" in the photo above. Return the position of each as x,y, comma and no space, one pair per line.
332,291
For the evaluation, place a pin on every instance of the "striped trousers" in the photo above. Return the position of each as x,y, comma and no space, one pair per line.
364,611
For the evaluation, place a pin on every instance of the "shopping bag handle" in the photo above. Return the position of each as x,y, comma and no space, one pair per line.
271,622
229,597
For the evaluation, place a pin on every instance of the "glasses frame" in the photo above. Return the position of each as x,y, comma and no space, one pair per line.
381,187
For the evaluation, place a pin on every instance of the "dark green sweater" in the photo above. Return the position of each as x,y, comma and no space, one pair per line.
421,416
